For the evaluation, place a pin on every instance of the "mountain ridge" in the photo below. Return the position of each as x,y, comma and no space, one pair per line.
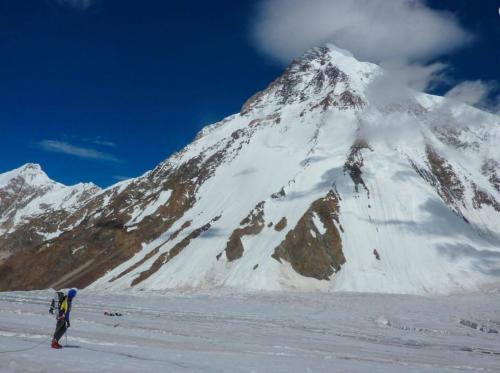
309,187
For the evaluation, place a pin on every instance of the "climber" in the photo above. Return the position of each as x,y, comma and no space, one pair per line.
63,310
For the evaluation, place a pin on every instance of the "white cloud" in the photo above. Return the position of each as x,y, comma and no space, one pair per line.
121,178
77,4
416,76
405,37
77,151
104,143
373,30
101,142
395,85
479,93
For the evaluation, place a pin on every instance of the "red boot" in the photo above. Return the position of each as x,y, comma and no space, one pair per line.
55,344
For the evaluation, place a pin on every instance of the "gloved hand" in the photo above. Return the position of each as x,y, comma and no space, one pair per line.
51,311
68,324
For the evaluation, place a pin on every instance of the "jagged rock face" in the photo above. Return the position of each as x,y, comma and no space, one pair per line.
483,198
251,225
312,76
281,224
304,189
491,169
450,187
314,246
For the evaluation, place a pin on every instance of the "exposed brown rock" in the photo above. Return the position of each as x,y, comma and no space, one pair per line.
251,225
443,178
326,103
448,185
101,229
285,89
174,235
490,169
346,100
311,253
481,198
281,225
350,100
451,134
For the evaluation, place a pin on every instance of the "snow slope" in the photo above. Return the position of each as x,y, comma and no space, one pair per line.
317,184
224,332
284,141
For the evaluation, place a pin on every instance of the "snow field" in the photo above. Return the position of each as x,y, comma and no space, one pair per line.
254,332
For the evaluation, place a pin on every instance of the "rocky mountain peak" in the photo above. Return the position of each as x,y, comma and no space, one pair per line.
322,76
30,173
35,167
33,207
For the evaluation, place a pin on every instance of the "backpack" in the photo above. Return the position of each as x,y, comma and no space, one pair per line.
60,296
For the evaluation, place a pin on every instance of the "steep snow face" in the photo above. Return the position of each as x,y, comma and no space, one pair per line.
29,201
310,187
416,187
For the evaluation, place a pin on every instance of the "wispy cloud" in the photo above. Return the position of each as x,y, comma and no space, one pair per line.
104,143
405,37
485,95
80,5
101,142
74,150
121,177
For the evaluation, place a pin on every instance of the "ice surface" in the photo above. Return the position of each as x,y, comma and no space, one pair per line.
253,332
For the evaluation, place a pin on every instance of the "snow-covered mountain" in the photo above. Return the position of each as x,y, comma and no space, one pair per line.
34,208
318,183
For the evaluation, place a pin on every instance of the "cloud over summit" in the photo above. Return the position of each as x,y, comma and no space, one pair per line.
373,30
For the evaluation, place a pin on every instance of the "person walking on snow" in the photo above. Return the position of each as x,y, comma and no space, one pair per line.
64,309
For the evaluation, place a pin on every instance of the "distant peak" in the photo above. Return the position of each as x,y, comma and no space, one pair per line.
33,174
31,167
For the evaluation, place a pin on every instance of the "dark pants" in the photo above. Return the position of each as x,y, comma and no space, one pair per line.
60,329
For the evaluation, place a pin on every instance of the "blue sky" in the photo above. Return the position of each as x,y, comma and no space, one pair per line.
104,89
